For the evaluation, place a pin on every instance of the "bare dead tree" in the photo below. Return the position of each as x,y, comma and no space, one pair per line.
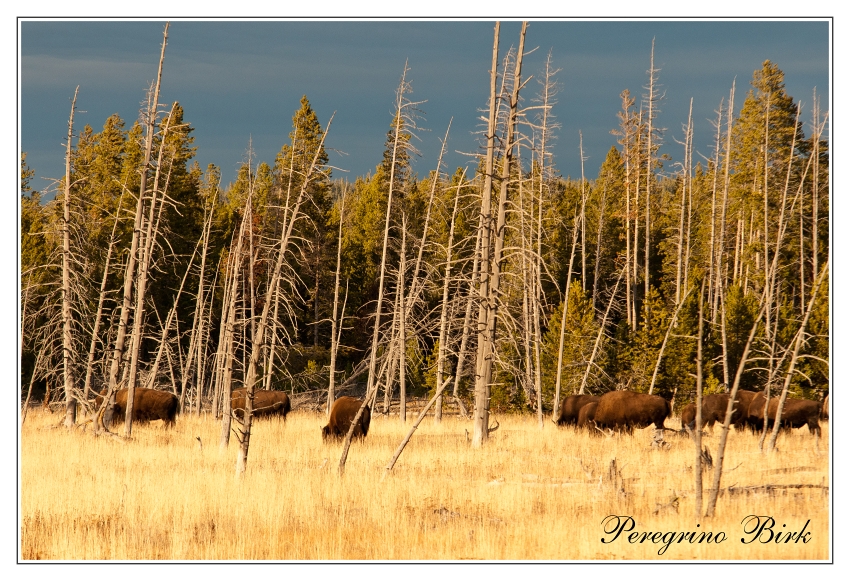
652,99
698,423
441,356
67,340
490,292
681,279
100,299
402,105
558,371
261,325
336,321
141,282
120,337
482,388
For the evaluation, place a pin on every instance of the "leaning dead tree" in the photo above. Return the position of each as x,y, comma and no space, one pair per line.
262,323
132,258
67,341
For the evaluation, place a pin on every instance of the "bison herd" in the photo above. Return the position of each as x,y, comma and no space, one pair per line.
627,410
615,411
152,404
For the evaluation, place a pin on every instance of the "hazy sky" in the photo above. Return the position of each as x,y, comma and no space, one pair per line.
241,79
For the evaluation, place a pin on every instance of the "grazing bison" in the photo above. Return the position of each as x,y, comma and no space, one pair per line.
148,405
342,413
714,409
571,406
825,411
586,415
626,410
795,414
266,403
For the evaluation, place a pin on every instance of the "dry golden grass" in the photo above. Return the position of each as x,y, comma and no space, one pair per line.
528,495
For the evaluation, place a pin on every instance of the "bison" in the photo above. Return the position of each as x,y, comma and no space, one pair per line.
266,403
714,409
586,415
342,413
148,405
825,411
571,406
626,410
796,413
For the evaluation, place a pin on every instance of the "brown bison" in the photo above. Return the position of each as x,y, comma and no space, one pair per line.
825,411
148,405
571,406
626,410
795,414
266,403
714,409
586,415
342,413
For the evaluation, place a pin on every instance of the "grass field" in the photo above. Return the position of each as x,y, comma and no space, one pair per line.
528,495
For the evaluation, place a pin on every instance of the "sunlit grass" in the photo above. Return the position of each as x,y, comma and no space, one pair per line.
527,495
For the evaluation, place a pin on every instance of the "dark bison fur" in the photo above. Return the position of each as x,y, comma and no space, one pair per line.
795,414
148,405
825,411
627,410
267,403
343,412
586,415
571,406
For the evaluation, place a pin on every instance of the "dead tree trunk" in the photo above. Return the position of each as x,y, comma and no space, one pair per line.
712,244
649,173
441,354
67,341
487,338
335,321
558,371
482,388
720,282
142,281
100,299
198,322
129,274
698,424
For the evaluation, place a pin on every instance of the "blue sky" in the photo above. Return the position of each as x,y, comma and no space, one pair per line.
241,79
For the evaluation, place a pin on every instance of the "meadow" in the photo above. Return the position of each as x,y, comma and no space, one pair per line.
527,495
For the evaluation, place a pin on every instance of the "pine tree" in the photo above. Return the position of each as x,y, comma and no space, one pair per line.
319,254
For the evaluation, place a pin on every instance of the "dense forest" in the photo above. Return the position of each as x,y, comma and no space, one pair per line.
502,283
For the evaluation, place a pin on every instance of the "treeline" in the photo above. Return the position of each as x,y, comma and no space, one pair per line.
503,270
